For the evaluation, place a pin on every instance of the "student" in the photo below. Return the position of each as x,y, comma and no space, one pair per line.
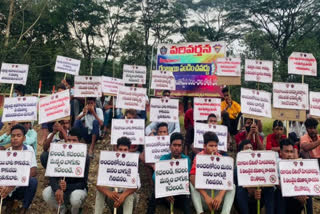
70,190
246,198
251,133
180,201
310,142
201,198
108,106
124,198
93,119
27,193
189,128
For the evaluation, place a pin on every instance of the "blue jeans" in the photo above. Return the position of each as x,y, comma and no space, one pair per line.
84,130
108,116
26,194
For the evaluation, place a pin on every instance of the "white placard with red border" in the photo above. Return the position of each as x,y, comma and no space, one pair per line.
67,65
202,107
131,98
315,103
163,80
172,178
20,109
134,74
214,172
15,168
291,95
66,160
54,107
87,86
229,67
118,169
14,73
155,147
111,85
302,64
164,110
256,102
257,168
299,177
220,130
130,128
258,70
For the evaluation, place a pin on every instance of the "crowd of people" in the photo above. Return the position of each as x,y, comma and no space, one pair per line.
93,122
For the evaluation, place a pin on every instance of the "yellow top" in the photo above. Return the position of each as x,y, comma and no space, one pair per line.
233,111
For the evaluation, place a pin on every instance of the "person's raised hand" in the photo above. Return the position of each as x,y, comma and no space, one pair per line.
57,127
63,185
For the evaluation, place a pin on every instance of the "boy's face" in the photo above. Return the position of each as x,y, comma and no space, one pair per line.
176,148
211,147
312,131
162,131
65,124
278,131
212,120
130,116
287,152
17,138
123,148
247,147
72,139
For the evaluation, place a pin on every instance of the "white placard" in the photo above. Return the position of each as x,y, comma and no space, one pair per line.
202,107
220,130
229,67
315,103
14,73
131,98
66,160
55,106
257,168
290,95
134,74
20,109
258,70
164,110
155,147
118,169
67,65
214,172
302,64
256,102
110,85
15,168
172,178
163,80
299,177
132,129
87,86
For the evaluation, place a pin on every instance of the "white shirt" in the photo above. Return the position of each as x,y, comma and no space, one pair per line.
89,118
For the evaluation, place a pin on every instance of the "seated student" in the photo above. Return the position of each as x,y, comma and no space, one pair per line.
180,201
124,198
75,104
310,142
246,198
71,191
290,205
59,134
27,193
108,112
201,198
31,136
251,133
93,119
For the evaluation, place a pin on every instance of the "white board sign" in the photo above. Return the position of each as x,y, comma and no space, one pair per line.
15,168
302,64
256,102
315,103
14,73
229,67
163,80
214,172
131,98
257,168
155,147
258,70
290,95
66,160
299,177
220,130
110,85
134,74
132,129
202,107
54,107
164,110
87,86
118,169
67,65
172,178
20,109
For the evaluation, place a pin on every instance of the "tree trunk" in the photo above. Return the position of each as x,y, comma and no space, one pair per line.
10,17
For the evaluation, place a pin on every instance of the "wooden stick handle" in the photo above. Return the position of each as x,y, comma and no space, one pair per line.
11,90
1,205
212,196
115,209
